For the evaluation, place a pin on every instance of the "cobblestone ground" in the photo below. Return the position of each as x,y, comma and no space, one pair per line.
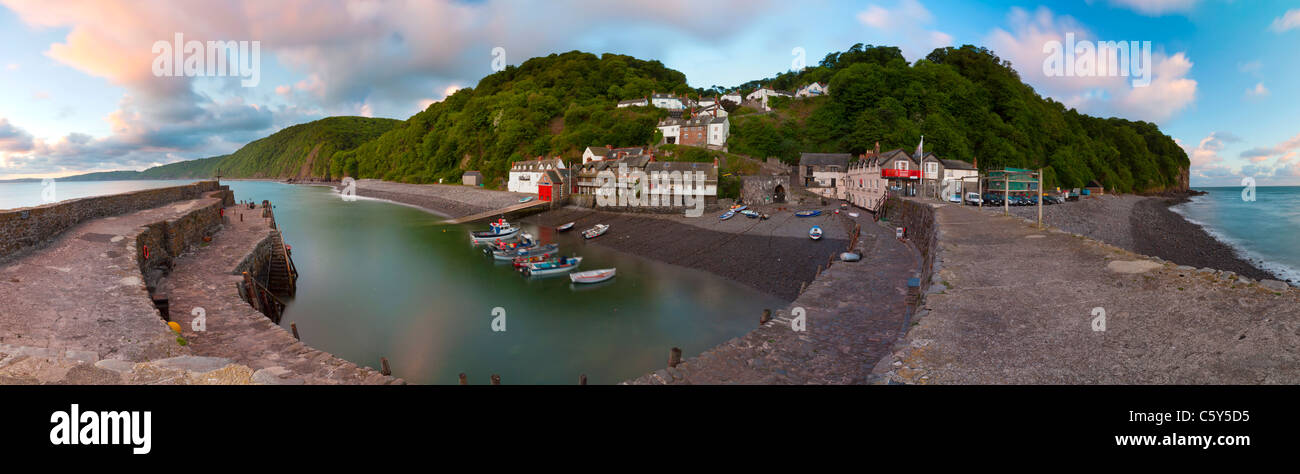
854,313
84,293
1021,305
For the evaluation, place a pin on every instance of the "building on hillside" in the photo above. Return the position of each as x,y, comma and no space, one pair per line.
824,173
642,102
712,110
667,101
813,90
700,131
959,178
1095,188
762,95
608,152
733,97
471,178
525,174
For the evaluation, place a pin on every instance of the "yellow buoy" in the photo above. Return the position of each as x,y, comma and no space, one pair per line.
175,326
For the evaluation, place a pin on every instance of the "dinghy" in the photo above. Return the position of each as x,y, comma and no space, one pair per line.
850,257
596,231
565,227
812,213
592,276
815,232
511,254
750,213
526,199
727,215
552,267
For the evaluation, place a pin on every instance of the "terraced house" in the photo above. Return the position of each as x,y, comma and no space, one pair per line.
824,173
525,174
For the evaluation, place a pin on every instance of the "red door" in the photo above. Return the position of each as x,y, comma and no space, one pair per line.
544,192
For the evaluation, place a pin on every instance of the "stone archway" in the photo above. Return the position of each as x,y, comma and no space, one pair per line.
778,195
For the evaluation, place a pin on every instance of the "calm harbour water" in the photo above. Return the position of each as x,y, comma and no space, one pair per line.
1261,230
385,280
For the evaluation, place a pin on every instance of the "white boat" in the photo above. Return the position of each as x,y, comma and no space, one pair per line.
596,231
592,276
501,231
553,267
815,233
565,227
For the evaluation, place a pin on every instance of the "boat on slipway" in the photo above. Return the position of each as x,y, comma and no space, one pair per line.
592,276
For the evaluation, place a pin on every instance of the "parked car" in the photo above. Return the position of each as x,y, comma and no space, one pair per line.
1073,195
992,199
955,198
1051,199
973,199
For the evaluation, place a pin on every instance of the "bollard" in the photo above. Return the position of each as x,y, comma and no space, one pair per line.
463,379
674,357
496,379
582,379
767,316
383,361
802,285
294,327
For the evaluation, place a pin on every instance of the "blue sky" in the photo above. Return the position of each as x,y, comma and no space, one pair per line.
79,94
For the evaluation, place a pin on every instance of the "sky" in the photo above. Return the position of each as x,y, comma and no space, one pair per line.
82,88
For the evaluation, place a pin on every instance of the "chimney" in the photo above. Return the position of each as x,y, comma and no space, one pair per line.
611,147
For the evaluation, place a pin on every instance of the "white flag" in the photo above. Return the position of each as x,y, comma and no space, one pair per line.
919,146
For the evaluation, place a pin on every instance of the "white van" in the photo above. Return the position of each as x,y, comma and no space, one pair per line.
973,199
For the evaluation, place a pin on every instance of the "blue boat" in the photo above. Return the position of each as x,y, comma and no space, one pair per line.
812,213
552,267
750,213
815,232
727,215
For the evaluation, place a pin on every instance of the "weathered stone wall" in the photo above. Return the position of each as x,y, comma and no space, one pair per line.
922,231
24,229
167,239
761,189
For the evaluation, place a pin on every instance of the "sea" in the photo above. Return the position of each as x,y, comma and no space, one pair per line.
1263,226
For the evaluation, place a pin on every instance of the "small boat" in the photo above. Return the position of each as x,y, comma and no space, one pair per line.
511,254
596,231
565,227
501,231
853,214
592,276
521,262
727,215
812,213
815,232
552,267
850,257
526,199
739,207
750,213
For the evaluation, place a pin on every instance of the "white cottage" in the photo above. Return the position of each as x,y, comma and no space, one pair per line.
763,94
525,174
813,90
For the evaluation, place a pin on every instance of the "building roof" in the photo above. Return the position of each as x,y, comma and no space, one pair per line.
632,101
536,165
894,154
473,173
956,164
710,171
552,177
598,150
825,159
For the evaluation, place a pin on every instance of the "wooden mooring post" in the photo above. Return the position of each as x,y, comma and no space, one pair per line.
496,379
674,357
294,327
383,362
767,316
464,380
582,379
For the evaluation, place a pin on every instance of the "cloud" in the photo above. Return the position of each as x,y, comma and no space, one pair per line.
902,24
1258,91
1170,92
1288,21
12,67
1157,7
12,138
1207,151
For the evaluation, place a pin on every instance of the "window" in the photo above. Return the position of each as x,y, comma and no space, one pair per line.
900,165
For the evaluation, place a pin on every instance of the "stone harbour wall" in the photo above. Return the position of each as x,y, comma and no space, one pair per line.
922,232
166,240
26,228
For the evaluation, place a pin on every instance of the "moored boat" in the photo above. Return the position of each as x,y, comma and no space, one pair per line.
500,231
592,276
810,213
596,231
750,213
565,227
552,267
815,232
511,254
727,215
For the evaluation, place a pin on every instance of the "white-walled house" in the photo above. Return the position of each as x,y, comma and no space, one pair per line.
733,97
719,129
825,174
524,174
813,90
666,101
763,94
642,102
